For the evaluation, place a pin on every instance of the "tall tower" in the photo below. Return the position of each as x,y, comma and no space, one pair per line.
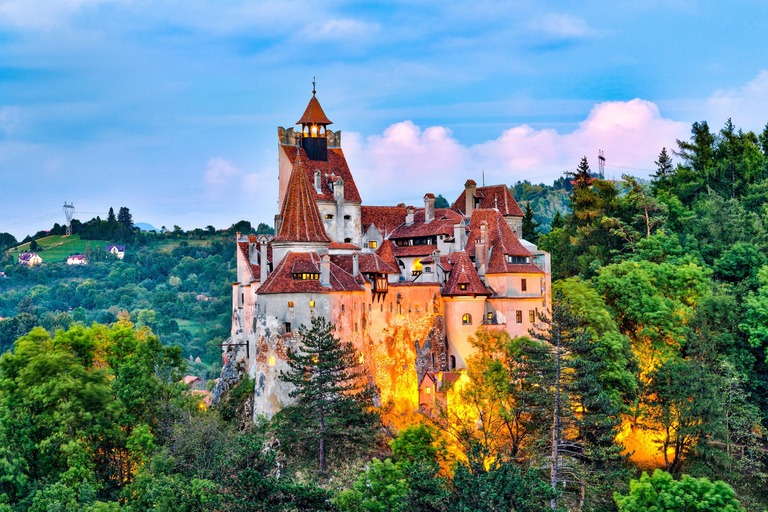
69,212
313,125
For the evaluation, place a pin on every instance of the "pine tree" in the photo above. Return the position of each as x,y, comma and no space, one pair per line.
111,215
663,165
332,407
558,221
530,227
125,218
763,138
582,176
583,420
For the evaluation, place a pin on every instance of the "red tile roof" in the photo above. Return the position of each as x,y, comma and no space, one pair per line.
337,245
498,264
500,235
336,165
386,252
414,250
281,280
464,273
385,218
255,269
445,262
367,263
300,218
442,224
493,196
314,113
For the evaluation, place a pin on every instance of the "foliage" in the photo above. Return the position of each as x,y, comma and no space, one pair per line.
662,493
331,405
379,489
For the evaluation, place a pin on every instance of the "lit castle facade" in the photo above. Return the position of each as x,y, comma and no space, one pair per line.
406,285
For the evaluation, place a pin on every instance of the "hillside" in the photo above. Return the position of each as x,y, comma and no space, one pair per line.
59,247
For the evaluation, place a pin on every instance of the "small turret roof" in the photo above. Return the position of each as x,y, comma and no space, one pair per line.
314,113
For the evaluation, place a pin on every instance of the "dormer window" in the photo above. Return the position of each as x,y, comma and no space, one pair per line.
518,260
305,277
328,216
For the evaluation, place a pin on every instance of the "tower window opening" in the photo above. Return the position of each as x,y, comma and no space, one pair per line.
466,319
306,131
453,362
347,217
523,285
531,316
519,316
290,303
272,360
328,216
347,240
287,326
463,287
373,244
428,390
314,130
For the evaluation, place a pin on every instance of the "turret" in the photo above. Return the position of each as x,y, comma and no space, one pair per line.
313,127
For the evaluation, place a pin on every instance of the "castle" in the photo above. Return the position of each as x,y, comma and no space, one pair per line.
406,285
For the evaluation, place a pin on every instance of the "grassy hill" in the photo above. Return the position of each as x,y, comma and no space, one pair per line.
59,247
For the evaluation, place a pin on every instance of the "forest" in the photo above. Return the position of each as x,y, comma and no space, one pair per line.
646,389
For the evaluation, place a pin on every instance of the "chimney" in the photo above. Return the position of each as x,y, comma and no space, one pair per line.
429,207
469,197
409,215
481,250
325,270
458,231
355,265
278,222
318,181
263,263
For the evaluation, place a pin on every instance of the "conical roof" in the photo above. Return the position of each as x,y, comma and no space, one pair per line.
300,218
314,113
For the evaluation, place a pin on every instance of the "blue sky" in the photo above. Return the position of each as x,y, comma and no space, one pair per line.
170,107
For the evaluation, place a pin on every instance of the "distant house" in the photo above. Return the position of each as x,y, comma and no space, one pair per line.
77,259
117,250
30,259
2,275
194,381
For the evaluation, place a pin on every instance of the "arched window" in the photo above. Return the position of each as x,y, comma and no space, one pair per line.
453,362
306,131
417,267
322,131
314,130
466,319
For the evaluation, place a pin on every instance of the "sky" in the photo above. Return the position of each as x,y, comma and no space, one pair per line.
171,107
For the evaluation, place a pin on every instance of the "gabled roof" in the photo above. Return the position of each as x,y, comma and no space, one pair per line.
336,165
254,269
281,280
493,196
464,273
414,250
300,218
500,235
442,224
344,246
314,113
385,218
367,263
120,248
498,264
386,252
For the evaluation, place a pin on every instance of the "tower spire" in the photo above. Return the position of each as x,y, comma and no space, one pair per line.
313,85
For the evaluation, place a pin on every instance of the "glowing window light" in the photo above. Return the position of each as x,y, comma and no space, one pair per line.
311,303
272,360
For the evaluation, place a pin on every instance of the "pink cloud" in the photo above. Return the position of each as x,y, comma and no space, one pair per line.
406,161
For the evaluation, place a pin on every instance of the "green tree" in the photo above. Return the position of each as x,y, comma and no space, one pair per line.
125,218
662,493
111,215
331,407
441,202
381,488
530,227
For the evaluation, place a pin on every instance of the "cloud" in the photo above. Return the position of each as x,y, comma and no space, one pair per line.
42,14
342,29
219,175
561,26
9,119
406,161
746,105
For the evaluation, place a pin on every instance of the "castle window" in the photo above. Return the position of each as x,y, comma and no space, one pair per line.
489,316
314,130
328,216
373,245
390,307
466,319
306,131
322,131
347,240
347,217
271,360
453,362
523,285
311,303
382,308
531,316
343,307
519,316
417,267
304,277
428,390
355,326
287,326
463,287
290,303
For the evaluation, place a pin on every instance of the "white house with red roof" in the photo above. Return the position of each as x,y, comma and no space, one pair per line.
30,259
77,259
407,285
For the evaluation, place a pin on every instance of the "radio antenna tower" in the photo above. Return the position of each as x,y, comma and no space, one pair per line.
601,163
69,212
